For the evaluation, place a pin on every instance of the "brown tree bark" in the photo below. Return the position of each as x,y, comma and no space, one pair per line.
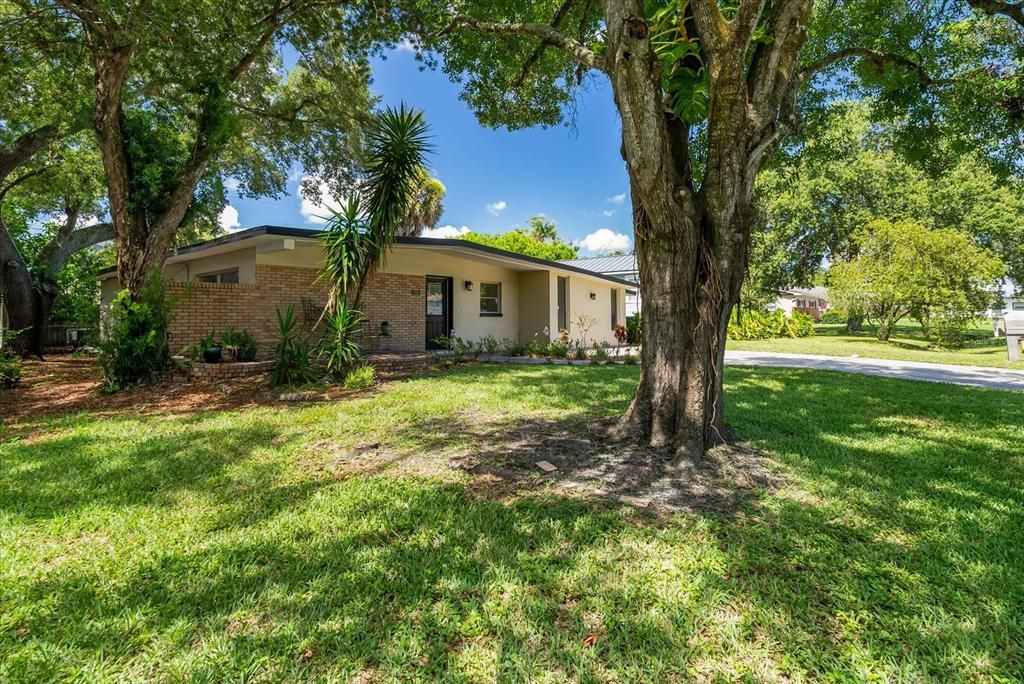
143,240
691,243
692,238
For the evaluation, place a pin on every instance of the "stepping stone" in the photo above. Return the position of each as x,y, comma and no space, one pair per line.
547,467
637,501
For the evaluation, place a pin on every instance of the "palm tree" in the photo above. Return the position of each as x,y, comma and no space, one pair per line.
426,204
356,239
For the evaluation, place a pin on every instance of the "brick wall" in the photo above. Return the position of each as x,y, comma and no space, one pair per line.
399,300
202,307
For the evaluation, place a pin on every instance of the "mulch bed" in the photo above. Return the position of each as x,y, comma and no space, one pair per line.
64,385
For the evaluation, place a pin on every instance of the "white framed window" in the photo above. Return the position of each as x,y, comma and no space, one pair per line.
229,277
490,299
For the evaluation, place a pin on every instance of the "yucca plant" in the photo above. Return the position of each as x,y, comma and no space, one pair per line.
340,349
357,238
294,366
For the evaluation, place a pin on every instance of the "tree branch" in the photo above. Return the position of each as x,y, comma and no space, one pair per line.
876,58
550,36
712,27
1013,10
55,254
556,19
25,147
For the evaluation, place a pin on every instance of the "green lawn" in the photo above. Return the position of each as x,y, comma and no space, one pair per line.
907,344
227,546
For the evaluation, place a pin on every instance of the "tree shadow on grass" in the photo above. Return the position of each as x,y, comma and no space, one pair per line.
902,537
894,552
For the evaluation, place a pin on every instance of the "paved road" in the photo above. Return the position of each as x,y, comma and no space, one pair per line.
974,376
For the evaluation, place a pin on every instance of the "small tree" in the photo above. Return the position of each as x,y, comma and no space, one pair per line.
538,239
904,269
425,206
357,238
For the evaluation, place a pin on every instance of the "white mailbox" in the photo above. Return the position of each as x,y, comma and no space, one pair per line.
1014,326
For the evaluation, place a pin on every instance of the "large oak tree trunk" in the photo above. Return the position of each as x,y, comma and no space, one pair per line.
19,296
688,299
691,244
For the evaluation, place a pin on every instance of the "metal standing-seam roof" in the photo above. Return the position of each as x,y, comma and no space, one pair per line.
618,265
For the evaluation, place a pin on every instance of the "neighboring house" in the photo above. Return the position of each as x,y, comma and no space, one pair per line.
812,302
623,267
427,288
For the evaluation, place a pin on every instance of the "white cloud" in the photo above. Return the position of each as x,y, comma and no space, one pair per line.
446,232
229,219
617,199
608,213
606,240
405,45
495,208
319,209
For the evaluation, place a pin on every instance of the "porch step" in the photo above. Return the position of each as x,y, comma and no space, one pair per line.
398,363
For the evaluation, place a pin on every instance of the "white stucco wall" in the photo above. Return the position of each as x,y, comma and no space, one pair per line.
467,321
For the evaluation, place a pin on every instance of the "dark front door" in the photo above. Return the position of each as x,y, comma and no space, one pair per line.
563,306
439,310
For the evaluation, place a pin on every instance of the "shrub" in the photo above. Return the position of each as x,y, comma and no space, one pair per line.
536,348
340,347
360,377
630,360
621,334
238,343
600,354
764,325
510,348
294,366
834,317
10,370
490,344
634,330
799,325
135,349
557,349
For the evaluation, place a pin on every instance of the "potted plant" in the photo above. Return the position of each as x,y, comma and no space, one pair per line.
239,345
212,351
246,347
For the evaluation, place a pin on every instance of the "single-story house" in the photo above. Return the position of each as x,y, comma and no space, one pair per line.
812,302
427,288
622,266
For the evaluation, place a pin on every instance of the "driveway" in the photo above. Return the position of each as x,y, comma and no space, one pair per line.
974,376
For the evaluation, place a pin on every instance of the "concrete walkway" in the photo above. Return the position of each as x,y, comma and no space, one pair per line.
974,376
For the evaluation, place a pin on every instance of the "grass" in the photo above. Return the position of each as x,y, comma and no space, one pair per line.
906,344
220,546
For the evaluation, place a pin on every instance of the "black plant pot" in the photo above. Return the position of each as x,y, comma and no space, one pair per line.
211,355
246,355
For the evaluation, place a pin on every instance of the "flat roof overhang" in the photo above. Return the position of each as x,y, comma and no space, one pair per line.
272,238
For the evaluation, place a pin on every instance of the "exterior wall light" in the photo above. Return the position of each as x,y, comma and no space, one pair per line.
385,329
593,295
468,285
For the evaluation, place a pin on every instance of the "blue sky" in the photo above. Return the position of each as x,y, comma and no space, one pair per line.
497,179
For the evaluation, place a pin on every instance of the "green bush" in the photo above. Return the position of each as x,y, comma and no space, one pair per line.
764,325
238,343
294,365
340,347
634,330
834,317
134,349
513,348
10,370
361,377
